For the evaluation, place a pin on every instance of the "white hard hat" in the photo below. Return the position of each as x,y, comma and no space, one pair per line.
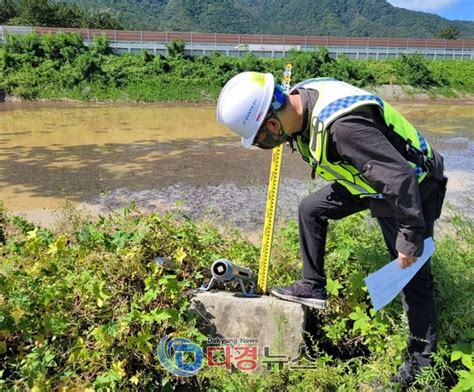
244,102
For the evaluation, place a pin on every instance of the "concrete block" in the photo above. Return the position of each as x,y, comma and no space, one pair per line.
271,322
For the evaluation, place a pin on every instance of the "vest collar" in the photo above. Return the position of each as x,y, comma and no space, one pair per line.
308,100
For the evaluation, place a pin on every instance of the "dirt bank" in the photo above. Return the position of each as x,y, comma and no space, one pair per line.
389,92
406,93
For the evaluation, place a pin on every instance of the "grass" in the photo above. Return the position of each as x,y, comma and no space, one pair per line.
85,305
59,66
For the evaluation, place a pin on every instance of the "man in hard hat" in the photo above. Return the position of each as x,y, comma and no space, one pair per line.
374,158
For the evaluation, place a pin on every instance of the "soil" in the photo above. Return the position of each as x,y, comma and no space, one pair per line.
102,157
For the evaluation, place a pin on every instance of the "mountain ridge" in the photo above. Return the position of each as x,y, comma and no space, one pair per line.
361,18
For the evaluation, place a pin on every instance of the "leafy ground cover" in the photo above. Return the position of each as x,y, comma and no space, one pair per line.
83,306
60,67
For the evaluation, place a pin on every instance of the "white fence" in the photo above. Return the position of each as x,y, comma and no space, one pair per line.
265,45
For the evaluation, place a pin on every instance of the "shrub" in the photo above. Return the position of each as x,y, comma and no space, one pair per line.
415,70
60,66
85,307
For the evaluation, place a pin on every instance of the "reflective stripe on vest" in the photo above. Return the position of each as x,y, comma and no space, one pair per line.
408,132
336,99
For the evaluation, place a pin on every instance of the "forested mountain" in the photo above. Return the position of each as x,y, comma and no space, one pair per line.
299,17
55,14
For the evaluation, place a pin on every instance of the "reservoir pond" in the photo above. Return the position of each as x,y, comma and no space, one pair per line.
167,157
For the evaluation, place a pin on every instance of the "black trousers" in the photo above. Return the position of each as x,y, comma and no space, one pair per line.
335,202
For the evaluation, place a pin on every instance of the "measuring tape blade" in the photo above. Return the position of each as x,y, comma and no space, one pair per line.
272,199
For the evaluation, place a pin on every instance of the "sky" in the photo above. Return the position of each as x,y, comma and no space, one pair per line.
449,9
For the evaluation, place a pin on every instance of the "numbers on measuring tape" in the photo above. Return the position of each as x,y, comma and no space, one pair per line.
287,77
267,239
272,199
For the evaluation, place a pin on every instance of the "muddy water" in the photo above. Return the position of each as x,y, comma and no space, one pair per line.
103,156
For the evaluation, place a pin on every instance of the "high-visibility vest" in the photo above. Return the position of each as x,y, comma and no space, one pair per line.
335,99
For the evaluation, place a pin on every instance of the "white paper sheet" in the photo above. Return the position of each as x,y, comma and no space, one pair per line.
388,281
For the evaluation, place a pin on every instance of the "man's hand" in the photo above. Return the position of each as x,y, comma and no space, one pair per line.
405,261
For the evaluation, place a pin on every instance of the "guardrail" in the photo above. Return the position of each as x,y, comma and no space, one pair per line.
262,39
267,45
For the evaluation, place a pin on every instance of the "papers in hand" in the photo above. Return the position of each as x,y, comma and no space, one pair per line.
388,281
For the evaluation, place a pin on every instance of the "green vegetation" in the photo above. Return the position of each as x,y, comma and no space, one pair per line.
441,77
52,14
84,306
361,18
60,66
450,32
357,18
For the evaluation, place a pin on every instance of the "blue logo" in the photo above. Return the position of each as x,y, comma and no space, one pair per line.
180,356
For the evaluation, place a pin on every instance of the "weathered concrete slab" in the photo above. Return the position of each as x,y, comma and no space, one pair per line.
271,322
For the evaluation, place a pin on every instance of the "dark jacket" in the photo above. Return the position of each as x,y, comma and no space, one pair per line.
362,139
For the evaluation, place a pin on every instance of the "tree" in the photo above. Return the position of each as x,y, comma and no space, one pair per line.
51,14
8,10
450,32
176,48
69,15
103,20
37,13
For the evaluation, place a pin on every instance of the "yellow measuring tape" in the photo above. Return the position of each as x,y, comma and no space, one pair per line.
272,198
